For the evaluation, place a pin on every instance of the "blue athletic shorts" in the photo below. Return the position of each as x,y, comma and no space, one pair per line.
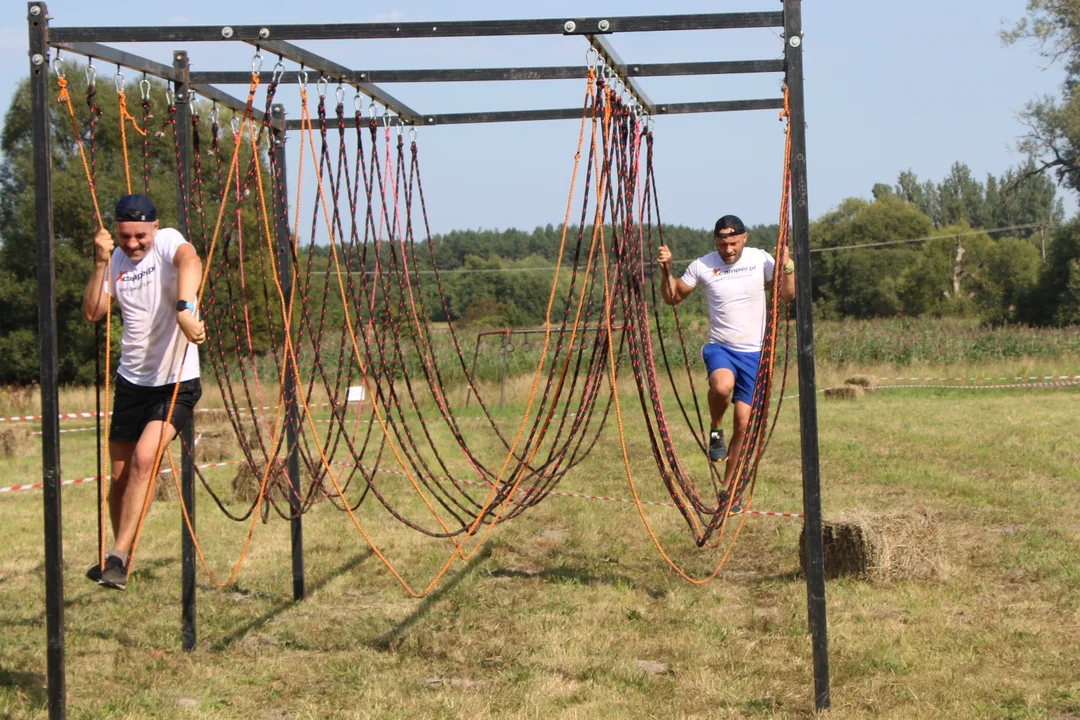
743,365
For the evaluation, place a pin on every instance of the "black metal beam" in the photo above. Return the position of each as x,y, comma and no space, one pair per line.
338,72
575,113
292,415
386,30
38,23
98,51
150,67
804,321
563,72
187,460
607,51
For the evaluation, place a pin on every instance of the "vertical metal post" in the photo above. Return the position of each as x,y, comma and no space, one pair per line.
804,321
37,20
187,461
506,361
292,416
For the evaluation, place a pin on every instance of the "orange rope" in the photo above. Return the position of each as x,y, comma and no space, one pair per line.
103,477
126,116
781,241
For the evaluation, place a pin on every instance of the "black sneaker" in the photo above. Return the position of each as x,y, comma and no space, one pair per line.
717,446
115,575
94,573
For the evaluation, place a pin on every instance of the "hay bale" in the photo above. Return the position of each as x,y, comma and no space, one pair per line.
845,392
879,548
863,381
215,444
246,482
16,440
212,418
165,488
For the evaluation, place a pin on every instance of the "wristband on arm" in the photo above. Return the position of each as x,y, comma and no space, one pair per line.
789,266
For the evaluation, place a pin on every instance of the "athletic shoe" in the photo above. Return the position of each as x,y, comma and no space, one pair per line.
115,575
717,447
94,573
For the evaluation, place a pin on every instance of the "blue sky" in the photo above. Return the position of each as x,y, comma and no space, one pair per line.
889,86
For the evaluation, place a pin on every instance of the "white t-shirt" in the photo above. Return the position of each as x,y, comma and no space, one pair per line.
146,292
736,296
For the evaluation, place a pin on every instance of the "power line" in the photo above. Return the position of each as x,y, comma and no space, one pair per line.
924,239
549,268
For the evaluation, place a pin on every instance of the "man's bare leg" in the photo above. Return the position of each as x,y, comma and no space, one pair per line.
138,481
742,421
721,383
120,454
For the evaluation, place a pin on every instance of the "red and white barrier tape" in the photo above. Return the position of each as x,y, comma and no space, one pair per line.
977,387
79,481
1035,378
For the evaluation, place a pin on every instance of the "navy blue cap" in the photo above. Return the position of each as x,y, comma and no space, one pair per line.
729,225
135,208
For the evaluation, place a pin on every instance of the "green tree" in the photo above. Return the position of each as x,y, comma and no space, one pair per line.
1053,136
864,283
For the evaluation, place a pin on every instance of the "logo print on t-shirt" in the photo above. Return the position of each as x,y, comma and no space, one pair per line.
135,281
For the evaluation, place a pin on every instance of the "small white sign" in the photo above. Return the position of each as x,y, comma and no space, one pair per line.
357,394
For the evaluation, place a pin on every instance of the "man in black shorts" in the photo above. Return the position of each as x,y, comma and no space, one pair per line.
155,279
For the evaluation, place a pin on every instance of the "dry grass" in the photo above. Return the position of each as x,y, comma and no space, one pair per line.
571,613
879,547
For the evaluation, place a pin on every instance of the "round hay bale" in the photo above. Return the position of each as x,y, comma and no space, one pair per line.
846,392
863,381
212,417
165,488
215,444
16,440
247,480
879,547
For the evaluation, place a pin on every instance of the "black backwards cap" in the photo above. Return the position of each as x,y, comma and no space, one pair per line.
729,225
135,208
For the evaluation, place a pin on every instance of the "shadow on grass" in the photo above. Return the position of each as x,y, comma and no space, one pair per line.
309,588
32,685
576,575
388,641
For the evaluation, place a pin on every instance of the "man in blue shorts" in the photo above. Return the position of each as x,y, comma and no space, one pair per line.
735,279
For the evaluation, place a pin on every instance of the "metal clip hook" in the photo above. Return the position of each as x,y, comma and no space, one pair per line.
339,93
279,70
256,62
118,81
357,105
59,65
235,124
170,99
412,134
144,88
91,75
323,82
302,76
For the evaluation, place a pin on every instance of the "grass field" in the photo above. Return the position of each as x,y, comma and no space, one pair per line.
570,611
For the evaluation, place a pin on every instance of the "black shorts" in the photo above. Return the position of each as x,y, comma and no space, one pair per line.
136,406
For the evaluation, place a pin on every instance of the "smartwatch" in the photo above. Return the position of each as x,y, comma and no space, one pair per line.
183,305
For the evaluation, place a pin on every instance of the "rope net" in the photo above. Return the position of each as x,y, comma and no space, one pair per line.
287,341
